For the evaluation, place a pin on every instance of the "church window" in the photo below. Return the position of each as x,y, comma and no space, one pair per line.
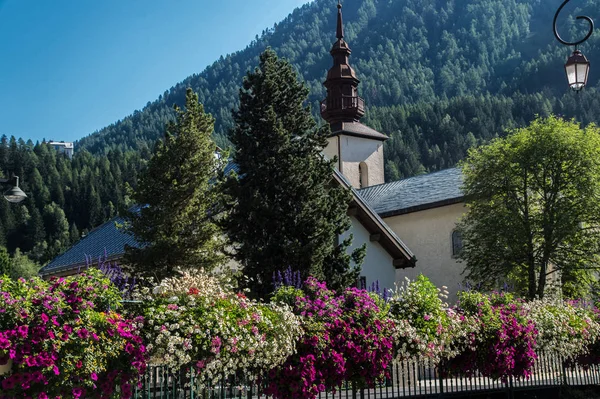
457,244
363,175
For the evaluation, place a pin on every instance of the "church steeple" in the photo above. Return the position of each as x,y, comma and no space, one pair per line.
358,148
340,25
342,103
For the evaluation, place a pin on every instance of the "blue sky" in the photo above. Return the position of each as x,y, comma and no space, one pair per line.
70,67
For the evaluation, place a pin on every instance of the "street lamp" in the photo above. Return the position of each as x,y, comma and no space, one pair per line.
577,67
14,194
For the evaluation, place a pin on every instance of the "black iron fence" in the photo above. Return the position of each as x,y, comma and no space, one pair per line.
414,378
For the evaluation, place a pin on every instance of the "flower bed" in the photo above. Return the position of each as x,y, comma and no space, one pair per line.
505,338
425,326
64,342
564,328
196,321
66,338
347,338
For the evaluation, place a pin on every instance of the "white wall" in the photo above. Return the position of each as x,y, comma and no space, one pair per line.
356,150
428,234
377,264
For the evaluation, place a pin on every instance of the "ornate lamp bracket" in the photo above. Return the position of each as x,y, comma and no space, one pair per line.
586,18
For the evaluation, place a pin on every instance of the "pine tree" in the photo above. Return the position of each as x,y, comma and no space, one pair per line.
4,262
176,198
285,209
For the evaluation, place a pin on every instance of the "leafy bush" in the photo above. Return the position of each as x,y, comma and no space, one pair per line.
505,338
197,320
64,341
346,337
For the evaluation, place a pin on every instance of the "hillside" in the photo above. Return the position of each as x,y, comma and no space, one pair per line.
437,75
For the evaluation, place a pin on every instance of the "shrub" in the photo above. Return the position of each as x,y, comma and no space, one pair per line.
504,340
64,340
346,337
197,321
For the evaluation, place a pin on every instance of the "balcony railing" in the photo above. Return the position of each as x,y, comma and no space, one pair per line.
342,103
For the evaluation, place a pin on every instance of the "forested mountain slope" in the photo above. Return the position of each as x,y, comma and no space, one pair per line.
437,75
65,197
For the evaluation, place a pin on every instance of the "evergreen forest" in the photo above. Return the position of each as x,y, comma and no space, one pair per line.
437,76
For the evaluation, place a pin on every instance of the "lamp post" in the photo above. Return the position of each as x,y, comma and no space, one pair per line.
577,67
14,194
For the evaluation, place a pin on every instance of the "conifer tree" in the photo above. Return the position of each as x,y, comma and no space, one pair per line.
176,198
4,262
284,210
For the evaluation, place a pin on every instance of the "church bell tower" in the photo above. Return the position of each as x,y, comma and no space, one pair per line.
359,148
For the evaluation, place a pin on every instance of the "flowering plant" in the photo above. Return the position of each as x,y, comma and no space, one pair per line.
564,328
64,342
505,338
425,326
198,321
346,337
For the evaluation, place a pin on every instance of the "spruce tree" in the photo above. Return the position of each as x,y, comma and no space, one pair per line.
284,209
176,198
5,268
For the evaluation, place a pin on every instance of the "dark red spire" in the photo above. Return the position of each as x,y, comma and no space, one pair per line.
340,24
342,103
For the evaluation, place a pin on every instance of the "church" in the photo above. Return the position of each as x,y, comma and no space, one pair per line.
408,226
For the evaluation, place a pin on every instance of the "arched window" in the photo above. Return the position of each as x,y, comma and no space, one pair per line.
457,244
363,173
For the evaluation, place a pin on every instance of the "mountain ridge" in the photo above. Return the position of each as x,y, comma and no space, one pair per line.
406,52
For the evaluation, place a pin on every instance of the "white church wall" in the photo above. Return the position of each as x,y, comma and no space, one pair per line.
378,264
428,234
355,150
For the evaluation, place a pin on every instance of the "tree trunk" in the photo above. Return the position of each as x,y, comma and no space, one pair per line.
542,279
531,274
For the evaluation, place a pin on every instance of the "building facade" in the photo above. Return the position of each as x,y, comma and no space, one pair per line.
63,147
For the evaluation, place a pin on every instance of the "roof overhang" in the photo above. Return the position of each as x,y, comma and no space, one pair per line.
74,268
356,129
379,231
422,207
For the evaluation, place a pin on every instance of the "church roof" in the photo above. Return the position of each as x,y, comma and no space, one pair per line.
106,239
415,193
356,129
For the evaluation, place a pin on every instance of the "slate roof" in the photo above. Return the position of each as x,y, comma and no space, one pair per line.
415,193
106,237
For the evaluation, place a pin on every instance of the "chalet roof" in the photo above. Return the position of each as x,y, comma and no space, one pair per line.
107,239
415,193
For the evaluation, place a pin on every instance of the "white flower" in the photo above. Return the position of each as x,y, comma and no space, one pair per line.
157,290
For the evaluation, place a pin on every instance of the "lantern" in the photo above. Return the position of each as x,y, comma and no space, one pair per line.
577,69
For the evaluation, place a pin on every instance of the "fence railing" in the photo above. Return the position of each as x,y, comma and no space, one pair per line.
408,379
